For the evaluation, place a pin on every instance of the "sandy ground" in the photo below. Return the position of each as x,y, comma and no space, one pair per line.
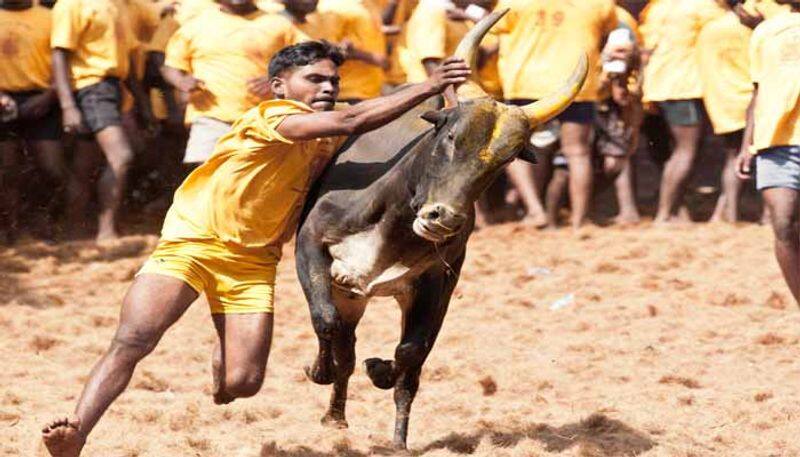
679,342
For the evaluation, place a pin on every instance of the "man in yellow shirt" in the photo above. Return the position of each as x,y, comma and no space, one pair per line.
540,40
773,132
92,44
213,58
25,77
672,81
722,51
223,235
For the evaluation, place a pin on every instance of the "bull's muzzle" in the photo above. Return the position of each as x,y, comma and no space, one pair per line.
438,222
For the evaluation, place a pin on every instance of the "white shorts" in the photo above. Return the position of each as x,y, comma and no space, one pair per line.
203,137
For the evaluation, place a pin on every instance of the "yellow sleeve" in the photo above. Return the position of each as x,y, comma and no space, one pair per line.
178,52
261,124
427,33
755,56
365,31
68,23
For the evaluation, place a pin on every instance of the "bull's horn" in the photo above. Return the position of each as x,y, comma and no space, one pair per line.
468,50
551,106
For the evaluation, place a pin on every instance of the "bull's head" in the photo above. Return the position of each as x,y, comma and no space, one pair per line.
474,142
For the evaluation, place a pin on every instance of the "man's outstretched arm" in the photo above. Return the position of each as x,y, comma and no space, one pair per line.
375,113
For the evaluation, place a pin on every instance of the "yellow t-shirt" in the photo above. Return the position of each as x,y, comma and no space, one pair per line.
25,49
673,71
225,51
395,74
725,72
252,189
541,41
98,37
358,24
431,35
144,17
775,66
187,10
166,28
768,8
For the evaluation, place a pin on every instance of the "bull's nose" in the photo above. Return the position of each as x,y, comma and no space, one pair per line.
442,215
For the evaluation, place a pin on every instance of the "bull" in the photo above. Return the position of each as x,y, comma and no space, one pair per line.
391,217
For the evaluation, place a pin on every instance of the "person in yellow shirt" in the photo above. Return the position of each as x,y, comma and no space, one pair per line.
539,42
25,77
672,81
213,59
434,31
722,51
773,133
223,234
92,48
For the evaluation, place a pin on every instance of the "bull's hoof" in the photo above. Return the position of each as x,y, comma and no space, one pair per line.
320,374
334,421
381,372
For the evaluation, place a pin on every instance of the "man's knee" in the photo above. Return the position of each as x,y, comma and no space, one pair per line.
243,382
785,228
134,343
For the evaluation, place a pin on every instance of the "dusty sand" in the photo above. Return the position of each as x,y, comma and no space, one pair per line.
680,342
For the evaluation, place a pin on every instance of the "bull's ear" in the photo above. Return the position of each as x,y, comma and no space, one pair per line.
528,155
437,118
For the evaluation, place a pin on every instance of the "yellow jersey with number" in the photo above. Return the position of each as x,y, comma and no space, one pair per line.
251,190
25,49
542,40
775,66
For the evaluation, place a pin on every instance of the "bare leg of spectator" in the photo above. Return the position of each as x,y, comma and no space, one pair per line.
555,193
576,148
85,162
9,190
677,170
50,156
111,185
521,176
626,196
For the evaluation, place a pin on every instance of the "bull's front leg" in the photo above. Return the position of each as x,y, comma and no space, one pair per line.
314,273
422,322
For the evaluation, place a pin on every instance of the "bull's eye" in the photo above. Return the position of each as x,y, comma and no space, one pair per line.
451,136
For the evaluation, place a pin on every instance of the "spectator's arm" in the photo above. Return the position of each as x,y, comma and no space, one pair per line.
745,159
140,97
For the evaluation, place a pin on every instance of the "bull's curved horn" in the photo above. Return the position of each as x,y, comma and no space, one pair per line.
551,106
468,50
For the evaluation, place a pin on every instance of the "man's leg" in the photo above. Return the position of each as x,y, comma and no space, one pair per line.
555,192
9,189
50,156
86,159
111,186
240,358
677,169
575,145
782,204
521,176
626,197
153,303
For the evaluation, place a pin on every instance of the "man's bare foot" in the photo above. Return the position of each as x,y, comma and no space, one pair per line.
106,236
63,438
536,220
626,219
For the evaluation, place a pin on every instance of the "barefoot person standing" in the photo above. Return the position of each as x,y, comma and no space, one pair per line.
773,132
223,234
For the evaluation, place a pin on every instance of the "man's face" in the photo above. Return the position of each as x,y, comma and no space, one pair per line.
316,85
238,6
301,6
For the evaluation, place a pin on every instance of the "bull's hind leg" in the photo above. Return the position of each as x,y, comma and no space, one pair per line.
422,320
343,356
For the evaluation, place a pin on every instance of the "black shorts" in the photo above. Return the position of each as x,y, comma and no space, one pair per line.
100,104
47,127
577,112
733,140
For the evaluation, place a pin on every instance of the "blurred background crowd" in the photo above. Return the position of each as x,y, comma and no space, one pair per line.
106,105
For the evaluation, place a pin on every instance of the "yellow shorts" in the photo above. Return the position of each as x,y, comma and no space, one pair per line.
235,279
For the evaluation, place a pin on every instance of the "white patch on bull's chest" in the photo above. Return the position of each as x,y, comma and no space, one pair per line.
358,268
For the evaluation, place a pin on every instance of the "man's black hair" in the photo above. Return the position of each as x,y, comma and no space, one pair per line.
302,54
